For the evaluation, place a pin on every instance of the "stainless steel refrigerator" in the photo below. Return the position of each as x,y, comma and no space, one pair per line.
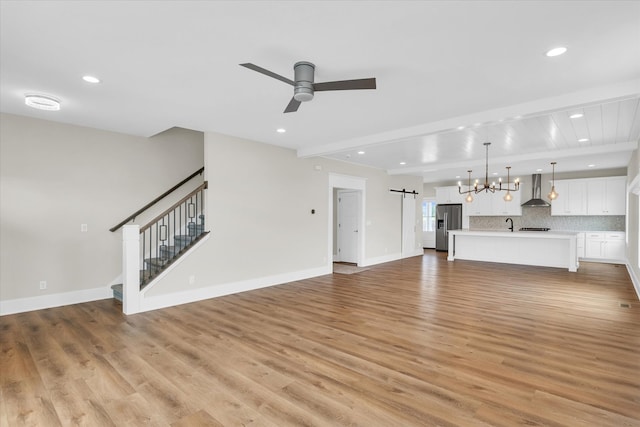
448,217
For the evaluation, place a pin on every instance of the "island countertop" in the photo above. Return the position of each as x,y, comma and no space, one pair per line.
526,234
541,248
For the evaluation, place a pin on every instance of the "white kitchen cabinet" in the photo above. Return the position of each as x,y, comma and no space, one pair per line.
481,205
493,204
605,245
606,196
448,195
501,208
572,199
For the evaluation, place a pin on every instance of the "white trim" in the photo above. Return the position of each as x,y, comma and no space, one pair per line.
634,280
21,305
185,297
347,182
381,259
634,186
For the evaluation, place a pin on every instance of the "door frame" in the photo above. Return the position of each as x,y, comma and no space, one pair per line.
347,182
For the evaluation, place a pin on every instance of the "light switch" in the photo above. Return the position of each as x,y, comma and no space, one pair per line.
84,228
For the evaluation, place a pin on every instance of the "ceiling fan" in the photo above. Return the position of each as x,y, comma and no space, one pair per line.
304,87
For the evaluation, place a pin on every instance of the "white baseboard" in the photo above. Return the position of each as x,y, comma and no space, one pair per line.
178,298
634,280
381,259
21,305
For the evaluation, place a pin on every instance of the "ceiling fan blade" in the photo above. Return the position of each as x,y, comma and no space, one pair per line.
268,73
346,84
293,106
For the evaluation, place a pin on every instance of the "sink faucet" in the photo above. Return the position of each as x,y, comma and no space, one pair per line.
511,227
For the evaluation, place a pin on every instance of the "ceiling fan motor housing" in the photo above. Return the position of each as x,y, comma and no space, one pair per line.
303,90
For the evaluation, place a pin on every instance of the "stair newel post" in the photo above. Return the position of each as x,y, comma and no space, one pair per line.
131,269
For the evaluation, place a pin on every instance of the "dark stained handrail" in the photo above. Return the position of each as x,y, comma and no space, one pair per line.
156,200
203,186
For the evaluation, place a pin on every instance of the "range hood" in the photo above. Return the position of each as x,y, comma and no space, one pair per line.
536,193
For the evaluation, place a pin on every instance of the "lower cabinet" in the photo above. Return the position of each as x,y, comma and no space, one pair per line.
605,245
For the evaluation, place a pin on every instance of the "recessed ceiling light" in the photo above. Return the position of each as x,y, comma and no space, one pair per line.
42,102
591,166
457,176
576,116
556,51
403,163
360,152
538,170
460,127
583,140
281,130
494,173
91,79
517,117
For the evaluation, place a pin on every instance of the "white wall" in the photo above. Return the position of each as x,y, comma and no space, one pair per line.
259,206
55,177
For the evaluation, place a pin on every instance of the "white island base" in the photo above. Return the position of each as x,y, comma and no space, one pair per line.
542,248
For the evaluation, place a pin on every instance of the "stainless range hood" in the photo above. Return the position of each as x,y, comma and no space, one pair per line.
536,193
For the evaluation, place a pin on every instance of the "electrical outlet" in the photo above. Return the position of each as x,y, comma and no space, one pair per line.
84,228
192,280
43,284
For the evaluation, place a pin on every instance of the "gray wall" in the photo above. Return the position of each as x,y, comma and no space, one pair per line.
633,219
259,205
55,177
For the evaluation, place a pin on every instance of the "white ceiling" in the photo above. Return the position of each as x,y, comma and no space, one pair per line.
438,65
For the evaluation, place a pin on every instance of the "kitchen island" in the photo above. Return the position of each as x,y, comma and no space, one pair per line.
541,248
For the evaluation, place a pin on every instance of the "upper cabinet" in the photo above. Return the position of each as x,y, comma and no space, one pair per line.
572,199
447,195
607,196
592,196
493,204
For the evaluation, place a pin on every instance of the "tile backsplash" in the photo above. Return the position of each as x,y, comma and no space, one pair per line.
541,217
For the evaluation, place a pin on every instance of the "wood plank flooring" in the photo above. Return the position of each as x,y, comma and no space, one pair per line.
417,342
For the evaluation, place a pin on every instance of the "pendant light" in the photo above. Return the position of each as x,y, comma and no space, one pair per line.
553,195
469,197
508,197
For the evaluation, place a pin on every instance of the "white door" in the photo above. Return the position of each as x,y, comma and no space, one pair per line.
348,226
408,225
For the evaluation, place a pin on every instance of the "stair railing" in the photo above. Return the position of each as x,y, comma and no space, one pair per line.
133,216
150,249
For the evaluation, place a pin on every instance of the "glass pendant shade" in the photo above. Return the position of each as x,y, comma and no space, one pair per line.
508,197
553,195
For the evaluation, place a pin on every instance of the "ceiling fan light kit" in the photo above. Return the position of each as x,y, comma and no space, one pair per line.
304,86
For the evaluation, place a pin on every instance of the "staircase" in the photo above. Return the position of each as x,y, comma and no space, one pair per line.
153,266
161,241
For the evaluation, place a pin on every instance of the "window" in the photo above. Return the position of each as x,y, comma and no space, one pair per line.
428,215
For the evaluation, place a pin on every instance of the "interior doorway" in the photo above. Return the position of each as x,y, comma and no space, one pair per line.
347,223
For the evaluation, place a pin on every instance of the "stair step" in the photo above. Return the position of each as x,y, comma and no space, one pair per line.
195,229
167,252
117,292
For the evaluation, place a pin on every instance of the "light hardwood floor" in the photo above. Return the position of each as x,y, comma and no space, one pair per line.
417,342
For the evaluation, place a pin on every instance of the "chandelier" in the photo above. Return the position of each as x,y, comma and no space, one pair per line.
486,187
